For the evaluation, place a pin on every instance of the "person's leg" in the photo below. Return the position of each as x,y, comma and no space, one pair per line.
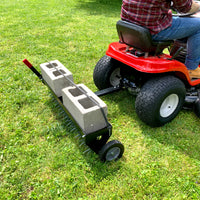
183,27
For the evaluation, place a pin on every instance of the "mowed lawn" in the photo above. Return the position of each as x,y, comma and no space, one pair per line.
41,155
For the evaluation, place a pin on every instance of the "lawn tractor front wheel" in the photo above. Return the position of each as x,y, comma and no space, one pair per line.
107,73
160,100
111,151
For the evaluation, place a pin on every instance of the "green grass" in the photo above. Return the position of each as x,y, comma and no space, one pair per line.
40,156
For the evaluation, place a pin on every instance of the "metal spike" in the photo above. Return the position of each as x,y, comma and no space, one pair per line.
66,117
69,124
87,150
62,112
73,129
60,108
77,136
82,143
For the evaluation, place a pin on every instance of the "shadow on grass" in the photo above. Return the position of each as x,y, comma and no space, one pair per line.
101,7
182,133
176,134
72,132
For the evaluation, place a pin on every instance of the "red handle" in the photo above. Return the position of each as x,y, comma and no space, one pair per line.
27,63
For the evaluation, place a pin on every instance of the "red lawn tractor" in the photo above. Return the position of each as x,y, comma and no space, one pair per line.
160,81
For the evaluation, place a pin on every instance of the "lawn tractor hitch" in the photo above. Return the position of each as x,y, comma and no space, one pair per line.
87,111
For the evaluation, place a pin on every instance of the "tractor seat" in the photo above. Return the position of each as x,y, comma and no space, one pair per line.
139,38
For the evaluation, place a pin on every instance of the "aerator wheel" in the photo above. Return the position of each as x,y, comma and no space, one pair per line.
160,100
111,151
107,73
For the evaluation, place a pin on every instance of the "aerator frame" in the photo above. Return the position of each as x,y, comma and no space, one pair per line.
96,140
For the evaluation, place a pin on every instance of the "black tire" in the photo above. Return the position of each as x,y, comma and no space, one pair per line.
197,107
107,73
111,151
160,100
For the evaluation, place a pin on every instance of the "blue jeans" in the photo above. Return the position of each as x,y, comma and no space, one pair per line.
184,27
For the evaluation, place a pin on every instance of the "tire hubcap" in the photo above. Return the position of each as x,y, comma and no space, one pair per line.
113,153
169,105
115,77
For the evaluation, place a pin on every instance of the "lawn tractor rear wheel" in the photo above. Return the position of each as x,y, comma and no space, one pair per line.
107,73
111,151
160,100
197,107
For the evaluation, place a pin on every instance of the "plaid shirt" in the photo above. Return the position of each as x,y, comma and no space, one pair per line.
153,14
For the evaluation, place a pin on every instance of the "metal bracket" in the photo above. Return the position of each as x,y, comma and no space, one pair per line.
108,91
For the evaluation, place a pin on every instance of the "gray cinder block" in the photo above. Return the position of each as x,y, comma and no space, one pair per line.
55,75
84,109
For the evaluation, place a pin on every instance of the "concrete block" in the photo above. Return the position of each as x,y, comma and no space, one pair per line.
56,76
84,109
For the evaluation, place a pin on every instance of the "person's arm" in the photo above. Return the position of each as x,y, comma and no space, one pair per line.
183,6
195,7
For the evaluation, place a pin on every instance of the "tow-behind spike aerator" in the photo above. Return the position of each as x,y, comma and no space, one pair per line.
86,109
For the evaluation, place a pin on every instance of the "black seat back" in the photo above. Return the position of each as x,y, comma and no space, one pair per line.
138,37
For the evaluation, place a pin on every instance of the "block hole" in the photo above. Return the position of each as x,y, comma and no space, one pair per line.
52,65
59,72
77,92
87,102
